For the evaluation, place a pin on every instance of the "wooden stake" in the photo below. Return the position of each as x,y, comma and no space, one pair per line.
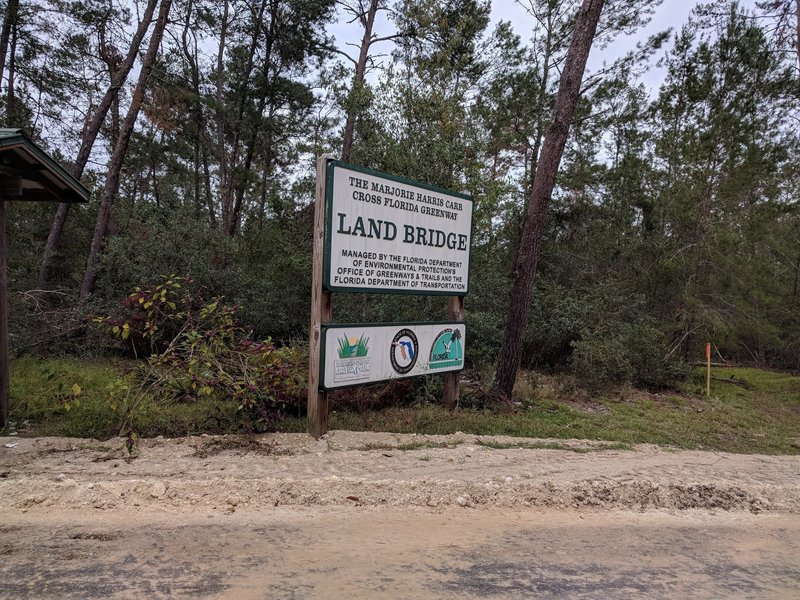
452,381
3,318
320,311
708,369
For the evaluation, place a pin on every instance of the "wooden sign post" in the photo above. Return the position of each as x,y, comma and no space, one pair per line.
320,311
380,233
708,369
452,381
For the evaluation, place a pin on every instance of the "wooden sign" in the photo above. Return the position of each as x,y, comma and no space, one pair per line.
389,234
375,232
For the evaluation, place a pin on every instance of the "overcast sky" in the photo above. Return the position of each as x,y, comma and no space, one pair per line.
670,14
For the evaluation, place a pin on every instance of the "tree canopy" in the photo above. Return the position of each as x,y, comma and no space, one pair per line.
674,218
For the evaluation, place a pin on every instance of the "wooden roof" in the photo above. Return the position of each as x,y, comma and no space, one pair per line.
28,173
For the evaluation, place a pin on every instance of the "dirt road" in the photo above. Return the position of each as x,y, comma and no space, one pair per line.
414,553
360,515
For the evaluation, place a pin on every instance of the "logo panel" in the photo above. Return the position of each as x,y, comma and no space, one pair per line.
353,362
404,351
446,350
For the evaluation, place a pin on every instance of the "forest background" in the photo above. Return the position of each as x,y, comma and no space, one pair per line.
675,219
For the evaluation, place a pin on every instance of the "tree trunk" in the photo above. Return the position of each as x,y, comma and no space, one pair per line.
120,150
196,111
797,47
262,206
797,40
212,217
222,159
234,194
90,132
12,10
368,21
544,181
11,109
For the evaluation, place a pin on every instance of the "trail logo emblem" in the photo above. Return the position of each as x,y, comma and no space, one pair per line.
352,363
354,347
446,350
404,351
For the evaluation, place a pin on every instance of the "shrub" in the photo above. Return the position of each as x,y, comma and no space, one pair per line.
602,332
151,317
558,314
270,287
210,357
49,323
620,353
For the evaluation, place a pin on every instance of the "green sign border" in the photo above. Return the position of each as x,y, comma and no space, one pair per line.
324,341
326,269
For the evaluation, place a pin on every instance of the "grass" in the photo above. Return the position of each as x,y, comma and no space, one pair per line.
495,445
40,396
417,445
41,403
750,410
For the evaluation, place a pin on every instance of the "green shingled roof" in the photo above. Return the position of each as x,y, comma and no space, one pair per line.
42,177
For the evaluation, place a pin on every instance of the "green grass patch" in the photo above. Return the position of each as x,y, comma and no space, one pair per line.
405,447
495,445
42,403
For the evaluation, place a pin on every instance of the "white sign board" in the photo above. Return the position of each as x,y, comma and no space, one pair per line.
388,234
359,353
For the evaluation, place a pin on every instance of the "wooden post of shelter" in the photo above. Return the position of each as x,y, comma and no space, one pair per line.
320,311
4,386
26,173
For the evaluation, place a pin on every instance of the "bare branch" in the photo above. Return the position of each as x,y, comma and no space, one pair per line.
342,52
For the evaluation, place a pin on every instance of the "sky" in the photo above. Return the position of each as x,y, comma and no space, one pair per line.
670,14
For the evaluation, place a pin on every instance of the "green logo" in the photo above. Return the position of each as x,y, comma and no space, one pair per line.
354,347
447,350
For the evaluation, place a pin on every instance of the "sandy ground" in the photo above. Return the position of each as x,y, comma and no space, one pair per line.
367,515
379,469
